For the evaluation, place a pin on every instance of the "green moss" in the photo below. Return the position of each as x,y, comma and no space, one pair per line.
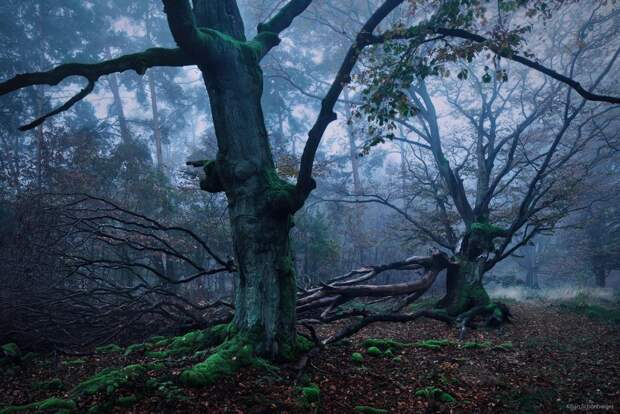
374,351
45,405
487,229
109,379
364,409
357,357
304,344
74,362
11,350
233,354
384,344
434,393
477,345
433,344
108,349
134,348
310,394
388,353
290,352
281,195
506,346
399,359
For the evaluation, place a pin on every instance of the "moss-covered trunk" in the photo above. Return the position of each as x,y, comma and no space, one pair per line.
464,288
259,202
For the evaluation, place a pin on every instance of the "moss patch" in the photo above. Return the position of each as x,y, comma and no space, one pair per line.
364,409
477,345
434,393
357,357
374,351
233,354
109,380
433,344
310,395
49,404
108,349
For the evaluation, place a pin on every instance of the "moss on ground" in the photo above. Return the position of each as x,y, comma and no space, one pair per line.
357,357
110,379
374,351
74,362
433,344
364,409
49,404
134,348
108,349
477,345
310,395
434,393
233,354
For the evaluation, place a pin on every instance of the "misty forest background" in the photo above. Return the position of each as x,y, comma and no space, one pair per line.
106,235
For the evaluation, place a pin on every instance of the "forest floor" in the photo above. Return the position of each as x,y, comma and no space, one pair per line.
554,358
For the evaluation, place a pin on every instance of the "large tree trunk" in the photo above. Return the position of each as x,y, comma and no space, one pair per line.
260,203
464,288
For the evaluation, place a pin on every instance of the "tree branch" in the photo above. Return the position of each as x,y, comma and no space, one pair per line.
305,183
138,62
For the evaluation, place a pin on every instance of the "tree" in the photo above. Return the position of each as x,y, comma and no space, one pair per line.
261,205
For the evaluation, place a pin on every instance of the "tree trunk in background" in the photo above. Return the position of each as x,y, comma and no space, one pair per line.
356,231
156,126
259,202
154,105
600,276
118,105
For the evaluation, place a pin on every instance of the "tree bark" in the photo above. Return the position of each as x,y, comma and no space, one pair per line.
600,276
260,203
464,288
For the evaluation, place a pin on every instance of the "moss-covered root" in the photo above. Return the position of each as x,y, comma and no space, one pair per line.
364,409
50,404
233,354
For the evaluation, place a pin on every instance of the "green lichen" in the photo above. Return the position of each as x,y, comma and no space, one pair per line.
433,344
364,409
357,357
434,393
45,405
108,349
374,351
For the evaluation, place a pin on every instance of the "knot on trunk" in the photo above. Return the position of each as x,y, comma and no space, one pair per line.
212,182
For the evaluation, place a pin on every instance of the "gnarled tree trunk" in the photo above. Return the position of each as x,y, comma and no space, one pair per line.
260,206
464,288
